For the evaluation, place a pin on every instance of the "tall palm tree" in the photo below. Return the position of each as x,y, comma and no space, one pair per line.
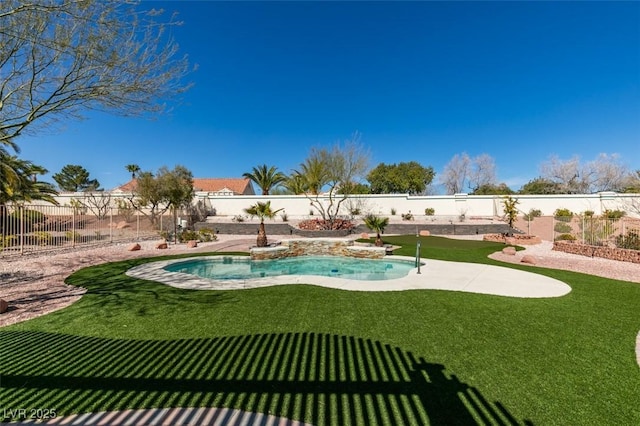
262,210
377,225
18,182
266,177
133,169
314,173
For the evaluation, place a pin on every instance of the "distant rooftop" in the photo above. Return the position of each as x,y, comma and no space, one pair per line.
236,186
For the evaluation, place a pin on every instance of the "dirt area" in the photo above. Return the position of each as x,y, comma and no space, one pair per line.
34,285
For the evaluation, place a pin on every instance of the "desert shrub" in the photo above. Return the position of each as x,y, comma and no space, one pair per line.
407,216
8,241
565,237
125,209
355,211
562,227
187,235
207,234
533,213
73,236
238,218
563,215
614,214
43,238
630,241
31,218
393,211
429,211
284,217
588,213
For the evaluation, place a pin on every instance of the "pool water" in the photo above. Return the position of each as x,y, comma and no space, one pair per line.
234,268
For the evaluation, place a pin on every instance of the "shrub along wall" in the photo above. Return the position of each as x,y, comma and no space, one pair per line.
612,253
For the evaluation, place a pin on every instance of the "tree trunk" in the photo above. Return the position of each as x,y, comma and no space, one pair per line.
379,242
262,236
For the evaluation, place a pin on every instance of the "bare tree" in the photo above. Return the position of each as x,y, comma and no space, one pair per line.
609,173
605,173
482,173
98,203
570,176
456,173
332,170
60,57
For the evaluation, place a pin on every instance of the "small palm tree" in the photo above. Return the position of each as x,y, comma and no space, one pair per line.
377,225
133,169
266,177
262,210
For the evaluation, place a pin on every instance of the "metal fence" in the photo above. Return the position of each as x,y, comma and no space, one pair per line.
623,232
28,229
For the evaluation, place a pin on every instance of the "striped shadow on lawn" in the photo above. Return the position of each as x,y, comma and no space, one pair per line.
328,356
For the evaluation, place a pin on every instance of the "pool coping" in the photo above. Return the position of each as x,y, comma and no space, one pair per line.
435,275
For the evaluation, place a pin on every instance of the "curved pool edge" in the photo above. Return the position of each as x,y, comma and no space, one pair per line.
435,275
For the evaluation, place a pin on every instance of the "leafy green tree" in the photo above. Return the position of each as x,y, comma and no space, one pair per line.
492,189
262,211
75,178
59,58
542,186
153,195
133,169
377,225
266,177
403,178
294,184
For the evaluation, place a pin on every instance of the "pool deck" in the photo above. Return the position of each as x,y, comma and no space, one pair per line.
435,275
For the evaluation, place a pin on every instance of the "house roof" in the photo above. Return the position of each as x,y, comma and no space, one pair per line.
236,185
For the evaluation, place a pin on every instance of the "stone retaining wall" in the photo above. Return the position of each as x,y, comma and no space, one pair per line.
317,247
624,255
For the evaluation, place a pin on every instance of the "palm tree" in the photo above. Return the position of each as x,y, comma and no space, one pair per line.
133,169
266,177
262,210
376,224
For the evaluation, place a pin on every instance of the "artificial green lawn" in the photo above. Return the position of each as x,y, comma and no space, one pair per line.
336,357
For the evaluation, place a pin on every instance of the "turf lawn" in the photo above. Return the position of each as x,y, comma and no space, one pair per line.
336,357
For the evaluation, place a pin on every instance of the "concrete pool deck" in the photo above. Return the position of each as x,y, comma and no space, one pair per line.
435,275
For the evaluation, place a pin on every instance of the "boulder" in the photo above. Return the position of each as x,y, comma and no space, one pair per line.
527,258
192,243
511,251
4,306
134,247
364,236
424,233
161,245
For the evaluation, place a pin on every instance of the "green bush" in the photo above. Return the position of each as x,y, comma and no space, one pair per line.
588,213
429,211
73,236
565,237
563,215
43,238
8,241
533,213
393,211
188,235
207,234
614,214
630,241
562,227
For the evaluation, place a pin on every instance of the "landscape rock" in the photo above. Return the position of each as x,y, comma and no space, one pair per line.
162,245
134,247
192,243
509,250
364,236
424,233
527,258
4,306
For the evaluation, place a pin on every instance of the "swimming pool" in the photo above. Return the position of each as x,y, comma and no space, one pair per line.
234,268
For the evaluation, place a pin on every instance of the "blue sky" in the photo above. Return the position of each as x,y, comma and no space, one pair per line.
421,81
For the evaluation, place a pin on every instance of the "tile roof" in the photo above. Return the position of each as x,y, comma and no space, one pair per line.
236,185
